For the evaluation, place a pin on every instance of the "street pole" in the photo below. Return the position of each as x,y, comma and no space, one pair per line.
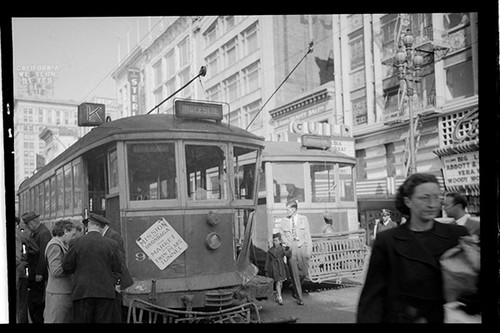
413,160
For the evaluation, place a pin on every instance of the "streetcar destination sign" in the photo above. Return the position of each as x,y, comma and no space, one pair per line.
198,110
162,243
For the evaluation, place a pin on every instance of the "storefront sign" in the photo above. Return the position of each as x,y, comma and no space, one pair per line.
461,169
162,243
133,79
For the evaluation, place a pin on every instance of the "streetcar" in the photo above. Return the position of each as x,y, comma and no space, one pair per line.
321,180
174,187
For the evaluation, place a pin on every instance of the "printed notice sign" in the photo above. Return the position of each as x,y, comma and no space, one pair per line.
161,243
461,169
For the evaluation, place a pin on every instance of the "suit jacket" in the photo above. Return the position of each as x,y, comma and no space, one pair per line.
404,281
95,262
472,224
126,279
302,231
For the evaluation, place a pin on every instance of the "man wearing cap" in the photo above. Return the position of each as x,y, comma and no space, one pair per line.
386,223
37,268
95,263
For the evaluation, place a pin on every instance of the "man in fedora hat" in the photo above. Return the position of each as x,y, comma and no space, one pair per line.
37,268
95,263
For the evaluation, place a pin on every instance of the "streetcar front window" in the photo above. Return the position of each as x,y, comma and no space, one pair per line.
288,182
152,171
346,183
206,172
323,182
245,160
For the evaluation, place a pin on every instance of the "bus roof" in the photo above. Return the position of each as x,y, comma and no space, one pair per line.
294,151
148,126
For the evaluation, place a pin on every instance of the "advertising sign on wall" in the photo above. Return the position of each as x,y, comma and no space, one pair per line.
461,169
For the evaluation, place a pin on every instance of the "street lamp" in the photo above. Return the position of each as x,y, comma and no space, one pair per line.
409,64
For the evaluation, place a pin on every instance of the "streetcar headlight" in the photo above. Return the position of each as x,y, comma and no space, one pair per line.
213,241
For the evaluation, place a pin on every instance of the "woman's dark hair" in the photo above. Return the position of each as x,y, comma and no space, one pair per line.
277,235
61,226
408,188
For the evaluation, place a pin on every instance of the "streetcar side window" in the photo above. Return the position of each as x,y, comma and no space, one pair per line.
152,171
206,172
288,181
323,182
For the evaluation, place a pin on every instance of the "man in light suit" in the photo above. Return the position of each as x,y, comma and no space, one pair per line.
297,236
454,205
95,262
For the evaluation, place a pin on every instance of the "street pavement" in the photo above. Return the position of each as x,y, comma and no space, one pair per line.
325,303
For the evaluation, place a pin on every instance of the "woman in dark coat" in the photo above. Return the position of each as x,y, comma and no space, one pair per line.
275,266
404,282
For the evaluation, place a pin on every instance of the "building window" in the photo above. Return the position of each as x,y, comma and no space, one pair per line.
231,88
183,53
211,34
170,64
233,118
250,40
357,50
455,20
361,164
212,62
390,159
184,78
251,77
230,52
252,111
157,72
460,80
214,93
229,22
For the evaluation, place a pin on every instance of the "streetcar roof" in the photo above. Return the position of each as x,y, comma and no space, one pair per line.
145,127
294,151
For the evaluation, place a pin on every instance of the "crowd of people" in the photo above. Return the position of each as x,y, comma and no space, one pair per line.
76,276
69,275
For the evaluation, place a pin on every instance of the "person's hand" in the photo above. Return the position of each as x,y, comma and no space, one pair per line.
38,278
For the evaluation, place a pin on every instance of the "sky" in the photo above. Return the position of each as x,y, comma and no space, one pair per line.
85,50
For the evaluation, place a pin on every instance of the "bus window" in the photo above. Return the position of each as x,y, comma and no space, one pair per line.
323,182
206,172
288,180
152,171
244,171
346,183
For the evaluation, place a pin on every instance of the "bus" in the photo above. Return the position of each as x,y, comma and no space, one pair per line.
321,180
170,184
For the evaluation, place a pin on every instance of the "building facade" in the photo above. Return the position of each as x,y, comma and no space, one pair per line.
369,90
348,86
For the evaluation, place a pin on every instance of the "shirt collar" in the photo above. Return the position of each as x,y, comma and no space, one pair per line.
463,219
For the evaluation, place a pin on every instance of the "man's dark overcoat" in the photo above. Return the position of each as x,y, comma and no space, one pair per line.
95,262
126,279
404,281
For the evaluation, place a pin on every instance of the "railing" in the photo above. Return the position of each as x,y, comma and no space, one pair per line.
337,256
